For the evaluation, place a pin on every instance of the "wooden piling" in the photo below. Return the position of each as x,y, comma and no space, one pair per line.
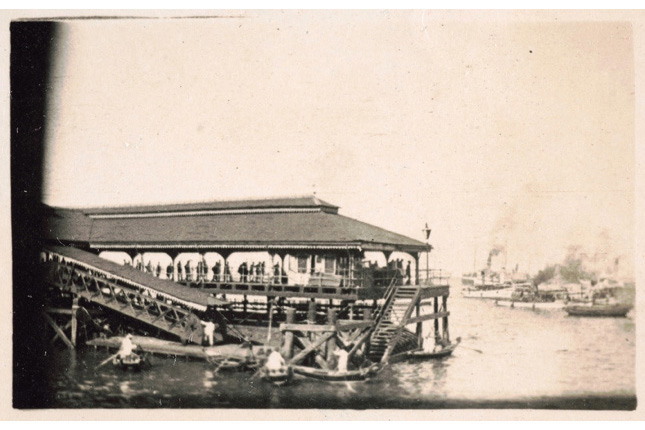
74,321
331,343
311,312
446,333
436,320
419,327
288,335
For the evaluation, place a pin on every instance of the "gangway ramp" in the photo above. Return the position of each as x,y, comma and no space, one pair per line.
163,304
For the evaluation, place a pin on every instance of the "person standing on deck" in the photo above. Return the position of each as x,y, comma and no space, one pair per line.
169,271
227,272
209,330
180,274
252,273
240,271
276,273
158,269
200,270
216,270
408,274
187,269
149,267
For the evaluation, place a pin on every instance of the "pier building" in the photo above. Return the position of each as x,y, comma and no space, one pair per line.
315,268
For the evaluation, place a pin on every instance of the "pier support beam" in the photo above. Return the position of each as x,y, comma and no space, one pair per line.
436,321
446,333
331,343
74,321
419,327
311,312
288,335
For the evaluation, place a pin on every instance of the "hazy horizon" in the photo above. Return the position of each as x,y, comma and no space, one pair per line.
497,133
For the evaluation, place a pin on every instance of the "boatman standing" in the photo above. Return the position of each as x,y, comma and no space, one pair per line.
209,330
126,347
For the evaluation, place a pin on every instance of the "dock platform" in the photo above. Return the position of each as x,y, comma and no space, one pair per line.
176,349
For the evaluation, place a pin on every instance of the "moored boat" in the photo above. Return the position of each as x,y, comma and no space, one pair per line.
279,376
598,310
337,375
130,362
433,354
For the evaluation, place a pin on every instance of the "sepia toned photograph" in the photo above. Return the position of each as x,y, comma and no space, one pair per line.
343,210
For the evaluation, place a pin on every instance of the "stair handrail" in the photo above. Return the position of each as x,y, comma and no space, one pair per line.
389,296
395,338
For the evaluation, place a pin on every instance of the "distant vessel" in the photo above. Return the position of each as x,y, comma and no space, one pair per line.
598,310
526,295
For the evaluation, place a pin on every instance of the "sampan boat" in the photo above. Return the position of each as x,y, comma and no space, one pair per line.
279,376
336,375
420,354
130,362
611,310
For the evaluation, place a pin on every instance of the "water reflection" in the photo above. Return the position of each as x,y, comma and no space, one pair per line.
505,354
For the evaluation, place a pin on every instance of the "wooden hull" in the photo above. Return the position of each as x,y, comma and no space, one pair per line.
278,377
598,310
131,362
334,375
431,355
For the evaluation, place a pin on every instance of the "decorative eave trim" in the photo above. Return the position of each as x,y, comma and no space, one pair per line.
198,212
261,247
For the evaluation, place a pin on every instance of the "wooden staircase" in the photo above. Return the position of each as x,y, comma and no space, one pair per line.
389,331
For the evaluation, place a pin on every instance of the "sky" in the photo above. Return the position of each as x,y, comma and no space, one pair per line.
496,132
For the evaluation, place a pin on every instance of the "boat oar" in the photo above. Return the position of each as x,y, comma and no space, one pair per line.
473,349
107,360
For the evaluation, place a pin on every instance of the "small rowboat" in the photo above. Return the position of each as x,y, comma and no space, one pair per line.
336,375
613,310
279,376
420,354
130,362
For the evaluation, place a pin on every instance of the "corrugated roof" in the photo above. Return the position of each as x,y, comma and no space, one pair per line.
228,230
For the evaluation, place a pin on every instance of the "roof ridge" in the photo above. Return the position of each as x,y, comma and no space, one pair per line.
315,199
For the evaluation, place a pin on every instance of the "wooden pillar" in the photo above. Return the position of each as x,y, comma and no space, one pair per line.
331,343
173,257
367,315
436,320
416,268
288,335
446,333
311,312
419,327
74,320
245,304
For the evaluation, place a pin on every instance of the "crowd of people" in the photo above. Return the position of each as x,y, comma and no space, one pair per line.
219,272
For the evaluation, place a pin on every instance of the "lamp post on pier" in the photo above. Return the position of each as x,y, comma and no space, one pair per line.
427,231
